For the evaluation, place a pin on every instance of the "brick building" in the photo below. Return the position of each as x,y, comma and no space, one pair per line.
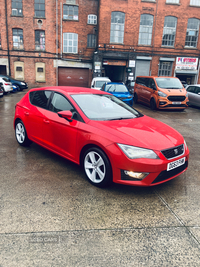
68,42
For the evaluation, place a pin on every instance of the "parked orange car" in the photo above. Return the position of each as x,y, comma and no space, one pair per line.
160,92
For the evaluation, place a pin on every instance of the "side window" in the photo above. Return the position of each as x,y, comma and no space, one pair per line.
197,90
191,89
60,103
140,80
152,83
40,98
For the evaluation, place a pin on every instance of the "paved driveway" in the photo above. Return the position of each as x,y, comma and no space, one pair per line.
51,216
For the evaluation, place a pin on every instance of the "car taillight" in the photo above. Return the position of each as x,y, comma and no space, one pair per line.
7,83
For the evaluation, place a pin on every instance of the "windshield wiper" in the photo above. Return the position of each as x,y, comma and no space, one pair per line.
121,118
172,88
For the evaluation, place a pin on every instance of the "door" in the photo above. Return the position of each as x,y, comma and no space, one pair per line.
197,96
35,116
142,68
60,134
191,94
150,90
73,77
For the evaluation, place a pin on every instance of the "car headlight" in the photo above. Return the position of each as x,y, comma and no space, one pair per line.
185,144
22,83
134,152
161,94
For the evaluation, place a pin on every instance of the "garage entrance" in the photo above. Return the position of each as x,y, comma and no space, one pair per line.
73,77
2,69
115,70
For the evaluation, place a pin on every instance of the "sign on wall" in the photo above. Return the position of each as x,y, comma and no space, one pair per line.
186,63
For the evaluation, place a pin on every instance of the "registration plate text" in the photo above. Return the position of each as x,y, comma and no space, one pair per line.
176,103
175,164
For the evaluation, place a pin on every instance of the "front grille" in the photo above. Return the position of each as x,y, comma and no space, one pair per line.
164,175
176,98
173,152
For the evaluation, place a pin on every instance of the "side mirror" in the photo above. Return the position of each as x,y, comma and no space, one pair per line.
66,114
154,87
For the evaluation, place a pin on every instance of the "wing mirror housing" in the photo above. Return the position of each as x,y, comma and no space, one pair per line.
66,114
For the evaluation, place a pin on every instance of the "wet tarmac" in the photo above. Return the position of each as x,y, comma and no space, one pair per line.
51,216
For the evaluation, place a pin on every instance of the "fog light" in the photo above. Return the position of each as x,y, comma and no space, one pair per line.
136,175
162,102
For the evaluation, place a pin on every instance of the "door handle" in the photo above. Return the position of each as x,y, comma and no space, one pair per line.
46,121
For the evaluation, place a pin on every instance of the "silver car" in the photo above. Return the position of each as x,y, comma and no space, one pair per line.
194,94
6,84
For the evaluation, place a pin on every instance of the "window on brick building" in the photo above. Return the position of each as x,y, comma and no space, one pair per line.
70,12
91,40
40,8
40,40
192,33
70,42
172,1
165,68
92,19
146,25
18,39
169,31
17,7
195,2
117,27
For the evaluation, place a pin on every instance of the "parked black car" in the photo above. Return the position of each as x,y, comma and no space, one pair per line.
22,85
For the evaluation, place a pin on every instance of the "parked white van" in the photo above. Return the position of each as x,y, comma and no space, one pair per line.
98,82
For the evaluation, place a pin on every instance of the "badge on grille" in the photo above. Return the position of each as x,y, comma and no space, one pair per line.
176,151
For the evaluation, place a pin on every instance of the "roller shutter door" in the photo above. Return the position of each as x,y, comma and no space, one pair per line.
142,68
73,77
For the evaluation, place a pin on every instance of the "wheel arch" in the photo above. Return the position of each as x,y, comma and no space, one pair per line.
88,146
153,98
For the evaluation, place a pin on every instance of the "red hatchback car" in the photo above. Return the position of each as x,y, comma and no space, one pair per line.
109,139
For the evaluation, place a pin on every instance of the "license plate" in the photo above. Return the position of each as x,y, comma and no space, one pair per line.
175,164
176,103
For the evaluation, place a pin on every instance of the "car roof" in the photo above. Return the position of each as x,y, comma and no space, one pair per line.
69,90
115,83
101,78
193,85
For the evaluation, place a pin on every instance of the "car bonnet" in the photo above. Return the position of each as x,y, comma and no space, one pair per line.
142,132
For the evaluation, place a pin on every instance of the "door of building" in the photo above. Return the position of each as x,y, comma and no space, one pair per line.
142,68
73,77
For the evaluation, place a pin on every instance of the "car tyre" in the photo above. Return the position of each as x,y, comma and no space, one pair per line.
97,167
18,88
153,104
135,98
21,134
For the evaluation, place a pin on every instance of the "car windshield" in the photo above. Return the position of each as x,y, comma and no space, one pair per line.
104,107
169,83
100,83
116,88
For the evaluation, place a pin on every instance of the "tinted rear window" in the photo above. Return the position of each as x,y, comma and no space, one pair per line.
40,98
142,81
6,79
